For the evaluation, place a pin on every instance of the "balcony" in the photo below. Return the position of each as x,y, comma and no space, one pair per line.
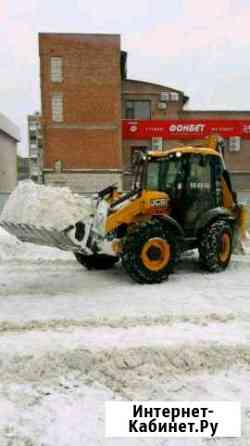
33,151
35,171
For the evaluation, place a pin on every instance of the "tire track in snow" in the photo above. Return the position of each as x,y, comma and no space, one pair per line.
125,322
125,371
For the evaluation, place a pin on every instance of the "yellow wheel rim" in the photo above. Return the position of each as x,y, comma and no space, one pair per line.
155,254
225,248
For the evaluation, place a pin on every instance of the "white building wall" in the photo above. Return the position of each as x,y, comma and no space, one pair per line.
8,163
84,182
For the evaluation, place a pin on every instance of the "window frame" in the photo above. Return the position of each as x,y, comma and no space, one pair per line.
56,69
57,115
134,101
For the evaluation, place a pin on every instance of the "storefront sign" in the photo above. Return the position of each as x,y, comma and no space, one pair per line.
185,129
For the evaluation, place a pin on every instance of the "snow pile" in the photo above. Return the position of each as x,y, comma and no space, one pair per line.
45,206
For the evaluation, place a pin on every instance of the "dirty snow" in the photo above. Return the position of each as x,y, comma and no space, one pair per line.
46,206
72,339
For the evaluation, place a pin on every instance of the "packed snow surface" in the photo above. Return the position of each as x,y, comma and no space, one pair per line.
46,206
71,339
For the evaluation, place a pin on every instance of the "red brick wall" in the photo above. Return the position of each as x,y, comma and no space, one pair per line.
90,135
81,148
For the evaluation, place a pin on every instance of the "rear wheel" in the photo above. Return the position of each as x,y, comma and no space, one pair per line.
96,261
149,252
216,246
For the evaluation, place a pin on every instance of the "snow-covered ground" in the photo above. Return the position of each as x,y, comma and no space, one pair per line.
72,339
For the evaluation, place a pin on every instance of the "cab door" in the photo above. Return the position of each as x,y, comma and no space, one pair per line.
199,191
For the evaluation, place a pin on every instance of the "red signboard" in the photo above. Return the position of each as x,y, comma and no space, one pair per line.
185,129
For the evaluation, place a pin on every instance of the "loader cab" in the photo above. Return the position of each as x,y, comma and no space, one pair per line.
191,178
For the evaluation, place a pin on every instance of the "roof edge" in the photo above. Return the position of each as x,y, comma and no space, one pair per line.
184,97
9,128
63,34
154,84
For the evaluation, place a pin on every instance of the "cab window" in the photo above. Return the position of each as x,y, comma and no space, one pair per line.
152,179
200,173
173,176
164,174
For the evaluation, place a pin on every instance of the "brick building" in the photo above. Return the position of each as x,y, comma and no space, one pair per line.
93,117
81,109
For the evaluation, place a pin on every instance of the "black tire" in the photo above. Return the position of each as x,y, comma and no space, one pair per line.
137,252
215,246
96,261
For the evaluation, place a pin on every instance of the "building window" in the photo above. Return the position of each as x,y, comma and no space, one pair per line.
138,110
56,69
164,96
58,166
32,127
33,136
234,144
57,107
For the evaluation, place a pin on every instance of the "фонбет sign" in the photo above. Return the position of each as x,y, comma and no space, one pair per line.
187,129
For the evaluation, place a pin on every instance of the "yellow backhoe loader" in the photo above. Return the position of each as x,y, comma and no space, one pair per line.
180,199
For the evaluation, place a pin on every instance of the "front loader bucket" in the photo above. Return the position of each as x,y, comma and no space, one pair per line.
41,235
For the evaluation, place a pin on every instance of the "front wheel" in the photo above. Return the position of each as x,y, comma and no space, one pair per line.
149,252
215,246
96,261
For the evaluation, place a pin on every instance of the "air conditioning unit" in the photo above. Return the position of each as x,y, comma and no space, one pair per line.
234,144
162,105
174,97
164,96
35,171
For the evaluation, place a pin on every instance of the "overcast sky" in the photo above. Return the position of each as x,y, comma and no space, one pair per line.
198,46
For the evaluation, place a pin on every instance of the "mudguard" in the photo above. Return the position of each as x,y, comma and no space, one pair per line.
212,215
173,223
